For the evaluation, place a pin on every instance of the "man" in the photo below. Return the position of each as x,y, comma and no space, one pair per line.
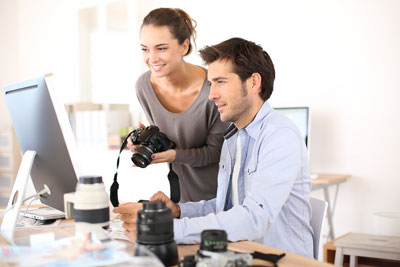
263,180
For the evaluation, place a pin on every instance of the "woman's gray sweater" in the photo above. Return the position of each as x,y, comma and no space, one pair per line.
198,134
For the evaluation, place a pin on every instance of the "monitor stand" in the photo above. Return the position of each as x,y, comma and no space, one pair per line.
17,198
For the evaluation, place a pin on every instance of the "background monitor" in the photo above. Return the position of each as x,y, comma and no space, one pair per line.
41,125
301,117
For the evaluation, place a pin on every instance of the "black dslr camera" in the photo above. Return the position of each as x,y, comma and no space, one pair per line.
149,140
214,252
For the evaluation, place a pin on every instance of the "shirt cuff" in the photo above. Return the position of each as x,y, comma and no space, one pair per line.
179,233
183,210
178,230
188,210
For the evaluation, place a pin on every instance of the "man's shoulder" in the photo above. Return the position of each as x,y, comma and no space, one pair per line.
277,119
274,123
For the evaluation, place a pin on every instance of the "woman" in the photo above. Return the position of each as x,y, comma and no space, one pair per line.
174,97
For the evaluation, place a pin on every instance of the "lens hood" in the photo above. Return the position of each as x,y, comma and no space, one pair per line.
155,224
155,230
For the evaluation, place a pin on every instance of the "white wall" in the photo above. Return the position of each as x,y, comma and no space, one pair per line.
341,58
8,52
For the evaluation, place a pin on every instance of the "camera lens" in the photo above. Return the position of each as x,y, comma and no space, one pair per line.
155,229
214,240
155,223
91,209
142,156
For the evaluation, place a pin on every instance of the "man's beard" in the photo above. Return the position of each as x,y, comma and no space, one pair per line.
240,108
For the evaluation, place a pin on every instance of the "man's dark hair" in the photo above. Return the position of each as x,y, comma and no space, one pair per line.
246,58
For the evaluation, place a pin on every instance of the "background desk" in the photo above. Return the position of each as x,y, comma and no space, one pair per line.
363,261
367,245
67,228
323,181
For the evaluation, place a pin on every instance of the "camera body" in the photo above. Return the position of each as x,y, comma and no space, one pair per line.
214,252
227,258
149,140
155,230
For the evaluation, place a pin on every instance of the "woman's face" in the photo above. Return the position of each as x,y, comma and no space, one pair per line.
161,51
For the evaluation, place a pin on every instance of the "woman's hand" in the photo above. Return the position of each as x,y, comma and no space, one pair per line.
166,156
128,213
132,147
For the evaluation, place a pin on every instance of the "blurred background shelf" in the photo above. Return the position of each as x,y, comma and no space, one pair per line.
10,158
99,125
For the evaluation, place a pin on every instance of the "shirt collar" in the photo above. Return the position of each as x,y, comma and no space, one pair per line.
254,126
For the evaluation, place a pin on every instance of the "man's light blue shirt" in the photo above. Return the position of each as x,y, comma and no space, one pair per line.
273,187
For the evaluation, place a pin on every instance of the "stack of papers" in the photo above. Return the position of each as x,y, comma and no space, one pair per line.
83,250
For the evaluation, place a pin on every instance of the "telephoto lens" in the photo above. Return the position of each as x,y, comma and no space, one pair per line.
91,210
155,230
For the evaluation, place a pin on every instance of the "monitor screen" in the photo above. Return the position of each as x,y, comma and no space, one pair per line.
41,125
301,117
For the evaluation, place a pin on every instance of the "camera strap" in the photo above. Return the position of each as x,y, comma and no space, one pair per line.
114,187
273,258
175,191
173,179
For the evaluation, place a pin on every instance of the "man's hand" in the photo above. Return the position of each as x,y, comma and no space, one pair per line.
175,209
128,213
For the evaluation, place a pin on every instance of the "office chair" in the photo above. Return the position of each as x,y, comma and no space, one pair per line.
318,213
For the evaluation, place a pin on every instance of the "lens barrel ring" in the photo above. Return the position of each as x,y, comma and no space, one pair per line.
142,156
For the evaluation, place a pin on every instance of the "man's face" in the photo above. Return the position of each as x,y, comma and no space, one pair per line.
229,93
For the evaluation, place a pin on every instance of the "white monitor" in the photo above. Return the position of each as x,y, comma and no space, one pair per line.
47,143
301,117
